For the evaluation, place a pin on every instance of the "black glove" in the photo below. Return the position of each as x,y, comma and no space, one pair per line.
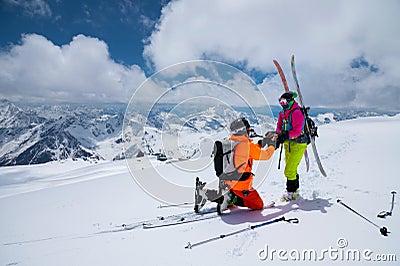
269,142
282,136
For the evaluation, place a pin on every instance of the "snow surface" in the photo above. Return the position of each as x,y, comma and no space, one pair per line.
69,213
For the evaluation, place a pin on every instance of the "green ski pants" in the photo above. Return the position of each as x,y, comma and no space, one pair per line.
293,153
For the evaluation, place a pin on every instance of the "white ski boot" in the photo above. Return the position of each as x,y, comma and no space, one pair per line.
224,202
200,197
289,196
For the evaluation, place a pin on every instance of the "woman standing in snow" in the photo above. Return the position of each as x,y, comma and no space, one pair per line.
290,133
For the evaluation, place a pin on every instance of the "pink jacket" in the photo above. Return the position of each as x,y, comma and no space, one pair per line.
297,121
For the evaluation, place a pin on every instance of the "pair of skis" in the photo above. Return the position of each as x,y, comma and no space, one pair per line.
190,217
312,138
173,219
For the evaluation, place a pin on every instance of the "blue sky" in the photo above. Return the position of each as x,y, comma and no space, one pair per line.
123,25
347,52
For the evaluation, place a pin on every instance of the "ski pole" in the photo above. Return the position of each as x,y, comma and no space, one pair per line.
391,209
383,230
250,227
175,205
383,214
280,157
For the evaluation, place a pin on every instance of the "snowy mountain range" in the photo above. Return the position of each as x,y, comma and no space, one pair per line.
42,134
38,134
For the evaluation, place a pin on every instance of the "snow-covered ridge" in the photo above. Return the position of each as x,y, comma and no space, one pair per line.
42,134
39,134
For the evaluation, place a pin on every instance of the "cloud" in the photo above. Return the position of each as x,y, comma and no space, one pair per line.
146,22
325,36
32,8
202,81
81,71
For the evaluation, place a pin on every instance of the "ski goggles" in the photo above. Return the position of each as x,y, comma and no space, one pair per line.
283,101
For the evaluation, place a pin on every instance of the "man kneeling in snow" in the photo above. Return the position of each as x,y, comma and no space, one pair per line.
233,168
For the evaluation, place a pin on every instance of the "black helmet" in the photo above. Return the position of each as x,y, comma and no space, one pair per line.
287,99
240,127
289,96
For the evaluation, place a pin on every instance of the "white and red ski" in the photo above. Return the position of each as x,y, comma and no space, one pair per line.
312,138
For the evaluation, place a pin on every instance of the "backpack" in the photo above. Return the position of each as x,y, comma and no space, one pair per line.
309,128
224,160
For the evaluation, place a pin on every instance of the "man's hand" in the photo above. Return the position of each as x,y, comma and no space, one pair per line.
271,134
269,139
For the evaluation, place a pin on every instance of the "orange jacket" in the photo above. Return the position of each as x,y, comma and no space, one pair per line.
245,152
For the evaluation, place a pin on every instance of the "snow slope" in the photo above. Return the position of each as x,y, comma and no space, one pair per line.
68,213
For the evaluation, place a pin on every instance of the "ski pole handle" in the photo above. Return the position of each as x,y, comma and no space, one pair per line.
292,220
268,222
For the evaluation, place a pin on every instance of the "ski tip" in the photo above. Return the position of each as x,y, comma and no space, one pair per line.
338,200
270,205
189,246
